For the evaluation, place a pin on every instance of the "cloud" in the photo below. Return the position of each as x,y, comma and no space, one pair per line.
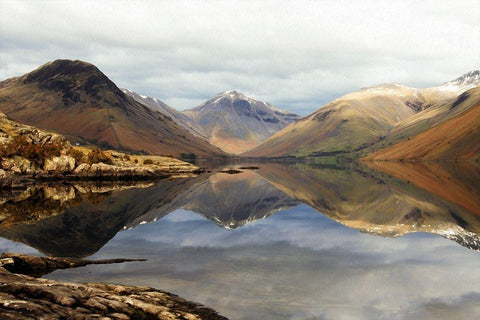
296,55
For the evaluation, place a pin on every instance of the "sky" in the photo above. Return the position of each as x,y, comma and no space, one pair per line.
297,55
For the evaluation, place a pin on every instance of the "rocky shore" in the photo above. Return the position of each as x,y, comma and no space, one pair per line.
25,297
29,154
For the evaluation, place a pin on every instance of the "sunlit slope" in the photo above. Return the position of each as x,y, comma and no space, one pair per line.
453,134
347,124
373,118
76,99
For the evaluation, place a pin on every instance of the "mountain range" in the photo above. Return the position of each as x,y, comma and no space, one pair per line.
77,100
378,117
384,122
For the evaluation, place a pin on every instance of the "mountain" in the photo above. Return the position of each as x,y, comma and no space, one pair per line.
236,123
347,124
371,118
76,99
454,133
179,118
463,83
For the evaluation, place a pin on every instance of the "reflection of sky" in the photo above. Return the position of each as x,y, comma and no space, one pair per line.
297,264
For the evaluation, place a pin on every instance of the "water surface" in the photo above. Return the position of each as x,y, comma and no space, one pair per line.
297,241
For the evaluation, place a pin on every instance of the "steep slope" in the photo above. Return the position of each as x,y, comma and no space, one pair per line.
236,123
75,99
455,139
179,118
347,124
372,118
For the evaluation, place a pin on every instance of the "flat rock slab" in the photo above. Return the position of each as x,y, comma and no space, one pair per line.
25,297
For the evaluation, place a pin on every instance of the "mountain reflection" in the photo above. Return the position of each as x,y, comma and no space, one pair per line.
387,199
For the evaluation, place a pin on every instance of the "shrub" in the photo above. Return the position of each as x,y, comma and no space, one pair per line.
75,154
148,161
36,153
96,156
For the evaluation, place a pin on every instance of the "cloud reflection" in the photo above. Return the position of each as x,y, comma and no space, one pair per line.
298,264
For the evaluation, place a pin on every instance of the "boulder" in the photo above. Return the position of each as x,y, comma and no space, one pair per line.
18,165
59,164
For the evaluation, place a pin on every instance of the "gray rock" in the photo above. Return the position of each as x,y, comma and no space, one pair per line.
24,297
59,164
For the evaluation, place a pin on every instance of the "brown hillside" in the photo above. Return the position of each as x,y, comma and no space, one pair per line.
76,99
455,139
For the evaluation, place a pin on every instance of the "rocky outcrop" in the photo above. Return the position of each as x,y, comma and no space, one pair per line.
38,266
30,153
102,170
26,297
62,163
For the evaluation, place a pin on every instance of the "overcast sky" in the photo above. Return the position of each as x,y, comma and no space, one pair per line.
297,55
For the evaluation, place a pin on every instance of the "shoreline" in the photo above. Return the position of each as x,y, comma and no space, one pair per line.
26,297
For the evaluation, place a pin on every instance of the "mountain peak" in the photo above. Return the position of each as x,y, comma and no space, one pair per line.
71,77
236,123
465,82
62,67
230,94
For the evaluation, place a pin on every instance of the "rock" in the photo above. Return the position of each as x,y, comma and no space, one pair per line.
59,164
60,193
24,297
3,175
82,170
39,266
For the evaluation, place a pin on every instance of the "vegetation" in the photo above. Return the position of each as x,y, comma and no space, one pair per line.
36,153
97,156
148,161
188,157
76,154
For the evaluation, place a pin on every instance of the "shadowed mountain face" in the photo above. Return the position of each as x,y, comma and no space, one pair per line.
76,220
236,123
375,118
182,120
77,100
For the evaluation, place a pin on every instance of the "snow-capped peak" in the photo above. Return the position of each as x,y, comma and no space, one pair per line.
463,83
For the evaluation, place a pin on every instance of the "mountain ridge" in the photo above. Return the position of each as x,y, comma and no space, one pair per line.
358,122
236,123
76,99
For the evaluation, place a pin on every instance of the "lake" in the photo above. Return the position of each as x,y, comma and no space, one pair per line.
275,241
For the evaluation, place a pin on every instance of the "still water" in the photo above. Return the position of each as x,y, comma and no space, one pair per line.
296,241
